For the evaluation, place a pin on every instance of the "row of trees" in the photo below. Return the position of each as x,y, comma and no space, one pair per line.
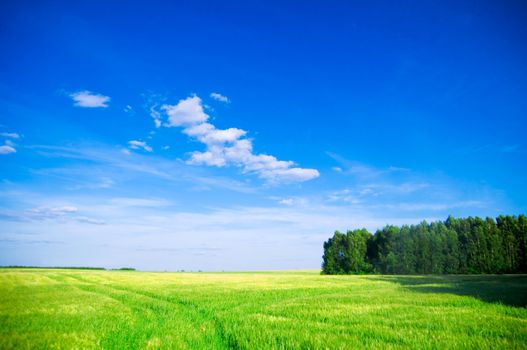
469,245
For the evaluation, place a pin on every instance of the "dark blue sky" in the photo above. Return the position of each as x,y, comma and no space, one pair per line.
391,112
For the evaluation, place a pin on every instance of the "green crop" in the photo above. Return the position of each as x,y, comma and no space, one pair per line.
83,309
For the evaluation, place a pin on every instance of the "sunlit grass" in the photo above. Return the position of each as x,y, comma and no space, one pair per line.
74,309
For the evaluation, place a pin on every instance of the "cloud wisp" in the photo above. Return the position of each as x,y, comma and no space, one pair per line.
11,135
88,99
8,146
115,162
230,146
135,144
59,214
219,97
53,212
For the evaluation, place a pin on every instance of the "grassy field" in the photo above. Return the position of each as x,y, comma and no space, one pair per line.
75,309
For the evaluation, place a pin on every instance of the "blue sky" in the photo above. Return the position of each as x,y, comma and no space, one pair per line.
240,135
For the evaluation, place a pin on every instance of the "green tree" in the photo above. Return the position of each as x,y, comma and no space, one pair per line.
346,253
356,252
334,255
467,245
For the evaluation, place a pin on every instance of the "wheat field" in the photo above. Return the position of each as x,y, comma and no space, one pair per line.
84,309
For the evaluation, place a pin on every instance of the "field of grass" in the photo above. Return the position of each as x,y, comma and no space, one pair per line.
76,309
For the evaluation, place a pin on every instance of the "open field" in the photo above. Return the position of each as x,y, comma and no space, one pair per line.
76,309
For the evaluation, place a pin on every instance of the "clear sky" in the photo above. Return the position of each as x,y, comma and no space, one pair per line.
239,135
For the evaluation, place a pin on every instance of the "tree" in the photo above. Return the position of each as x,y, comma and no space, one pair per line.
334,255
356,251
467,245
346,253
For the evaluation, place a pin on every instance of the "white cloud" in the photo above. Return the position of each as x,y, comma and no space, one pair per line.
9,146
51,213
383,191
290,175
6,149
287,201
152,104
207,158
296,201
88,220
240,153
12,135
208,134
229,147
156,116
187,112
60,214
90,100
134,144
346,195
219,97
139,202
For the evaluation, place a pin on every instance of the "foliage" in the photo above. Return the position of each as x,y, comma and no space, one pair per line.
344,253
471,245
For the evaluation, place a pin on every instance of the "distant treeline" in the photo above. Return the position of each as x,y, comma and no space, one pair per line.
65,267
458,246
53,267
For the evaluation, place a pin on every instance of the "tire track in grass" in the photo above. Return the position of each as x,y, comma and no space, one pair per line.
122,325
153,310
219,329
191,309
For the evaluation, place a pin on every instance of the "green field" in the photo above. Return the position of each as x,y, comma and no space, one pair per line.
77,309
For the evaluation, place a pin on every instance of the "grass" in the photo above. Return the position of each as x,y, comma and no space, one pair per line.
83,309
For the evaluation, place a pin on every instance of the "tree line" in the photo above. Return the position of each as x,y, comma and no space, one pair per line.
65,267
455,246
